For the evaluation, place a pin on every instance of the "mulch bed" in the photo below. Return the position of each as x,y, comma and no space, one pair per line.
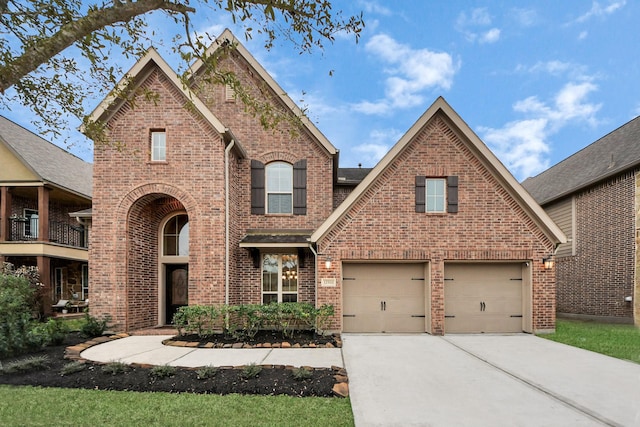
270,381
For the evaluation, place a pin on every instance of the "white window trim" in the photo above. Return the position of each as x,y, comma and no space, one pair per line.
33,231
58,296
85,281
269,191
153,145
444,195
280,292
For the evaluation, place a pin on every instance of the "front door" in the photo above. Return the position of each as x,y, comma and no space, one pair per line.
177,281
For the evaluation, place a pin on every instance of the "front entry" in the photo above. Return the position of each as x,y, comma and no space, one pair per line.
177,281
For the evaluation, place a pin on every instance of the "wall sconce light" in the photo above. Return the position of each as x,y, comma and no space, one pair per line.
327,263
548,262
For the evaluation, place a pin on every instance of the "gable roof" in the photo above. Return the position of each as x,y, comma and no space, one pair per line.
227,36
610,155
490,161
137,74
50,163
352,176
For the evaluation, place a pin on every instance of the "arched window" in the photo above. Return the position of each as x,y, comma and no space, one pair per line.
279,188
175,236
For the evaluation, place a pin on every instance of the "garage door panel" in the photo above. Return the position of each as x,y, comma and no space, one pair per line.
383,298
483,298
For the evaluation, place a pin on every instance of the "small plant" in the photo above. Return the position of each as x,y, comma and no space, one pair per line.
94,327
72,368
163,371
301,374
251,371
28,364
115,368
206,372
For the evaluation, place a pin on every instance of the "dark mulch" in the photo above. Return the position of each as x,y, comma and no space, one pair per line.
271,381
272,338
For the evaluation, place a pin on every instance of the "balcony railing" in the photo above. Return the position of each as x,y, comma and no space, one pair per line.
26,229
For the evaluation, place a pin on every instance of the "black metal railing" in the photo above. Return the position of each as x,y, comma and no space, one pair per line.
26,229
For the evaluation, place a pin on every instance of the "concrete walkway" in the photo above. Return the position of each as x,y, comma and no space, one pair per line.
150,350
486,380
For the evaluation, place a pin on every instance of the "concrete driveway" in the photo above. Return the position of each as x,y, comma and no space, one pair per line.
486,380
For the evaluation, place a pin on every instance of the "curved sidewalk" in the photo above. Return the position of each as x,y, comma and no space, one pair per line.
149,350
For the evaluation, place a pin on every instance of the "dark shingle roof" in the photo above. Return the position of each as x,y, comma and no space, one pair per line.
610,155
50,162
351,176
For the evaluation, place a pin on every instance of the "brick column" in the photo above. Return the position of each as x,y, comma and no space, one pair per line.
43,214
5,213
44,267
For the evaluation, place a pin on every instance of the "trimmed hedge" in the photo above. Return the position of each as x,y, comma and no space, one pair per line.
245,320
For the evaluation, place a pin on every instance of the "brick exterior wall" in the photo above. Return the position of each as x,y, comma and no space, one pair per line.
596,280
490,225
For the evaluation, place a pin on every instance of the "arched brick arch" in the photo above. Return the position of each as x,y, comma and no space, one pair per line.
278,156
137,219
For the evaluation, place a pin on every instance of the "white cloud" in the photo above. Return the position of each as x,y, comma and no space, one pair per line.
583,35
524,17
598,11
378,145
523,144
472,25
410,72
375,7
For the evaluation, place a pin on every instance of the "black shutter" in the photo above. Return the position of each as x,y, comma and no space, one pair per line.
300,187
420,194
452,194
257,187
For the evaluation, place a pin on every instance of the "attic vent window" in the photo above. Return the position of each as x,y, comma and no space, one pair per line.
229,93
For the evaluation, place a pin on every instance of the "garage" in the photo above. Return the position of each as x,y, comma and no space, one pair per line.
483,298
383,297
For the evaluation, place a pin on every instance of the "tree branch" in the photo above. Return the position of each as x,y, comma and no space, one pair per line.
96,19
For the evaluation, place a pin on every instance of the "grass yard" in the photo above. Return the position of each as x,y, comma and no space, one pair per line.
33,406
620,341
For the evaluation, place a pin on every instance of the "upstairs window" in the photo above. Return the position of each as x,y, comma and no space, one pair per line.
435,195
279,188
158,146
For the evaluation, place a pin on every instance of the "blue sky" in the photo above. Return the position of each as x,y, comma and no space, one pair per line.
536,80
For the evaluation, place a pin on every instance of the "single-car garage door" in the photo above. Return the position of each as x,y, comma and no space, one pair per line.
483,298
383,297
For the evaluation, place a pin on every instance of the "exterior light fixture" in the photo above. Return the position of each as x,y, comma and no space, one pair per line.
327,263
548,262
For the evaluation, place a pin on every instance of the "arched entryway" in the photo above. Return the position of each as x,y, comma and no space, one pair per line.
157,249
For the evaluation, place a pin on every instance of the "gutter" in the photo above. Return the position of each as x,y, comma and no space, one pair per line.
226,220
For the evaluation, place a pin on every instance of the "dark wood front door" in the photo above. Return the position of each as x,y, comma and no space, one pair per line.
177,282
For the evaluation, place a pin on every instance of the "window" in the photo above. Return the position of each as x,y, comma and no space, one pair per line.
58,279
279,278
31,224
435,195
175,236
158,146
279,188
85,281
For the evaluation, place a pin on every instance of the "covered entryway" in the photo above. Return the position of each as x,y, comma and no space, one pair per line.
383,297
483,297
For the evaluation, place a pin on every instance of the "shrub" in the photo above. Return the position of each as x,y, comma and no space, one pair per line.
32,363
72,368
251,371
94,327
115,368
301,374
206,372
163,371
52,332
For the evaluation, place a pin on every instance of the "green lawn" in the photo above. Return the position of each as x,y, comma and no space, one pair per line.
620,341
33,406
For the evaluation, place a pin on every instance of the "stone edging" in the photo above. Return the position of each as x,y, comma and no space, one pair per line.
340,388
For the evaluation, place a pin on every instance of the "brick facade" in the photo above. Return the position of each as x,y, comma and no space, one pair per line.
597,279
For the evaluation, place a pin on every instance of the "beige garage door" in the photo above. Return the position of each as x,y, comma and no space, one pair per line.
383,297
483,298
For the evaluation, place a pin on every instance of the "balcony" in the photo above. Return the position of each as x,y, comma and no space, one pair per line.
26,230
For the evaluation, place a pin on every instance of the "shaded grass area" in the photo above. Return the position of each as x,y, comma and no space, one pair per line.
619,341
35,406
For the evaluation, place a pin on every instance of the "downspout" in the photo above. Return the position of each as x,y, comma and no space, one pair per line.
226,220
315,255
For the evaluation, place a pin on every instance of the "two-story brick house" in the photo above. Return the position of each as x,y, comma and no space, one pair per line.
41,186
206,206
594,196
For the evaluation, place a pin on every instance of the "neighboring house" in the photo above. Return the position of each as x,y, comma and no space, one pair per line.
594,198
41,185
203,205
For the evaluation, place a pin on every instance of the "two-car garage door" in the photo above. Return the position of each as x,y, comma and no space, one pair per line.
478,297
